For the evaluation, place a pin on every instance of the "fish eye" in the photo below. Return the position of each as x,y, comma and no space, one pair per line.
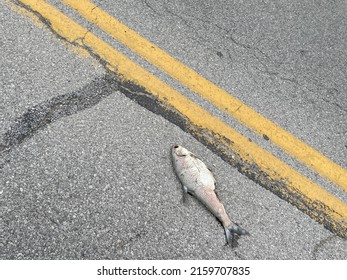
176,146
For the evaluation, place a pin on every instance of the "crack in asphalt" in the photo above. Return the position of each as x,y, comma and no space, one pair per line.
197,38
255,51
80,41
150,7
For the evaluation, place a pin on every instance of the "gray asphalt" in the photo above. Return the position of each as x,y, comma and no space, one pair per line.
94,180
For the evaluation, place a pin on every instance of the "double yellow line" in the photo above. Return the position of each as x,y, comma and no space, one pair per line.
307,195
211,92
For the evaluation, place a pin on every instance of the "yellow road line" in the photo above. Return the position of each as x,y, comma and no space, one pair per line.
222,99
314,200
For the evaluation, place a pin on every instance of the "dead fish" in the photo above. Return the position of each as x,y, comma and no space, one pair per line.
199,181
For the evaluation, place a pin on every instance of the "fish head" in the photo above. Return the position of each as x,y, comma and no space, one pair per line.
181,157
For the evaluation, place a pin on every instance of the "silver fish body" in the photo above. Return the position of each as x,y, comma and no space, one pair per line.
199,181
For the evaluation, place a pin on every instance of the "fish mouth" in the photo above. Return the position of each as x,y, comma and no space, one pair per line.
174,148
179,150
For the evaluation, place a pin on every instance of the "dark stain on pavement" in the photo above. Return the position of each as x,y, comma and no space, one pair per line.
39,116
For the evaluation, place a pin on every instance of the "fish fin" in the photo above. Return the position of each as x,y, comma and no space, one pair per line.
233,233
216,194
185,194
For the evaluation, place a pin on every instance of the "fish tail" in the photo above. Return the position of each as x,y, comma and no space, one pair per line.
233,233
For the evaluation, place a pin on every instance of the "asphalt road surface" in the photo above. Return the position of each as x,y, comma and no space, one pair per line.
94,179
